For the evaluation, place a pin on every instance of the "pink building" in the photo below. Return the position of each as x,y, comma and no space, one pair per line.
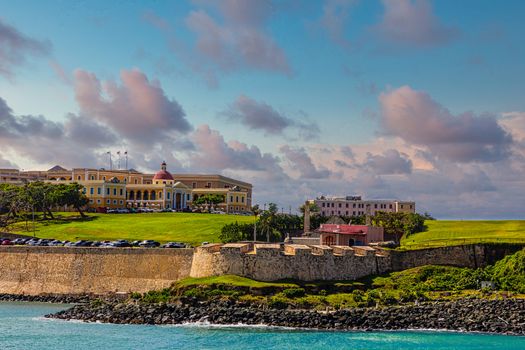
349,235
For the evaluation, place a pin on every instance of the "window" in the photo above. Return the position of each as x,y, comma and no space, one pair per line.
354,205
347,213
322,204
91,190
114,191
164,182
114,201
237,199
401,206
194,185
168,195
242,199
79,177
108,201
121,201
411,206
353,213
375,206
347,206
231,198
104,178
98,190
390,206
333,204
92,177
188,197
136,181
339,212
339,205
209,185
107,191
98,201
121,192
91,201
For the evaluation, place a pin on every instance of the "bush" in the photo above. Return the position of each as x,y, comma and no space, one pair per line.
509,273
294,292
278,301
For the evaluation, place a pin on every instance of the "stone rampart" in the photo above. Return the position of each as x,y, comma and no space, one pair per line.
69,270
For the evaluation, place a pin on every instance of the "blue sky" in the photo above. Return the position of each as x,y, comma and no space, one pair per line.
419,91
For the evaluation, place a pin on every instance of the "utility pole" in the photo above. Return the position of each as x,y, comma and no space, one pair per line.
118,161
126,154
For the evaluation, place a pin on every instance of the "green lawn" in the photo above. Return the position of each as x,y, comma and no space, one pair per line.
163,227
231,280
443,232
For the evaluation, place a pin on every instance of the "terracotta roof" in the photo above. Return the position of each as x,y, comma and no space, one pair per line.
163,175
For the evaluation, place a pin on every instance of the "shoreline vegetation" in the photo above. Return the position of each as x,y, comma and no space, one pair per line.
427,297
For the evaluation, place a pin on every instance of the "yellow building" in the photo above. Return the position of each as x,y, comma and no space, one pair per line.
130,188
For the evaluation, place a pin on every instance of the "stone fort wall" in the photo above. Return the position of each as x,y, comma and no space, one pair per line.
61,270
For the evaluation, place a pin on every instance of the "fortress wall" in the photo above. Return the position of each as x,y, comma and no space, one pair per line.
68,270
59,270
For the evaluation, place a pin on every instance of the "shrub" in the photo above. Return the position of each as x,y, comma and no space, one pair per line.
509,273
294,292
278,301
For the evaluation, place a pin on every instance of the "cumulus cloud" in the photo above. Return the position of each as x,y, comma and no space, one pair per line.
413,23
416,118
389,163
15,47
301,162
334,18
74,141
138,109
213,152
261,116
240,39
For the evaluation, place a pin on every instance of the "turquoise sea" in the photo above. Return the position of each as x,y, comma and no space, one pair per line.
23,327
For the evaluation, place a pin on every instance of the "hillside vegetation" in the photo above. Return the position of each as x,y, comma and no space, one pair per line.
447,232
416,284
163,227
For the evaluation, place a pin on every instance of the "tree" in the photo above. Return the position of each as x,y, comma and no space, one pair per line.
209,199
71,195
268,222
40,196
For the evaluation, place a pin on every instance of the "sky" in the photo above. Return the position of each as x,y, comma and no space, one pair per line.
389,99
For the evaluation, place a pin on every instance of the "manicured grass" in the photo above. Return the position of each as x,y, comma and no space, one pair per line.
231,280
163,227
443,233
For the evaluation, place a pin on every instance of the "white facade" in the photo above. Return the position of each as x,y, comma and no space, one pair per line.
355,206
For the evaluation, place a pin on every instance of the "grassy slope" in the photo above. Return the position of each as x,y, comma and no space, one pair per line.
442,232
163,227
231,280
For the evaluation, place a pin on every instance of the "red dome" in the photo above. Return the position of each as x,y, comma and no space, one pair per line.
163,175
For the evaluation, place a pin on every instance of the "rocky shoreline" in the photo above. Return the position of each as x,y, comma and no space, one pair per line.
506,316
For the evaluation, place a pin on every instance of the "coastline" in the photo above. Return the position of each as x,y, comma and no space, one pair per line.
504,316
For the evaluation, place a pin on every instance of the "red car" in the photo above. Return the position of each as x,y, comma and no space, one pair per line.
7,242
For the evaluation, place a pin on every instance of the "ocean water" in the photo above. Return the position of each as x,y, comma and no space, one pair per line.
23,327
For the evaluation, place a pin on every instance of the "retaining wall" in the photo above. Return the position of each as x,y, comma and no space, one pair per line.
70,270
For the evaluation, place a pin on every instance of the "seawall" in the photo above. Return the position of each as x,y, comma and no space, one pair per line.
69,270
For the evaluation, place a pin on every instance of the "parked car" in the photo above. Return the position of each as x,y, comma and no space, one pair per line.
5,241
123,211
149,244
135,243
120,243
55,243
82,243
20,241
174,245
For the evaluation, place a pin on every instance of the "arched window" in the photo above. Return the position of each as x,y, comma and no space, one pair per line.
160,195
146,196
152,195
139,195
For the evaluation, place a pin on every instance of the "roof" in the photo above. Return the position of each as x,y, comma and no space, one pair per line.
57,168
344,229
163,175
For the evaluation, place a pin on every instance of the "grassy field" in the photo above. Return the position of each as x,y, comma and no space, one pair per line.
442,233
162,227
